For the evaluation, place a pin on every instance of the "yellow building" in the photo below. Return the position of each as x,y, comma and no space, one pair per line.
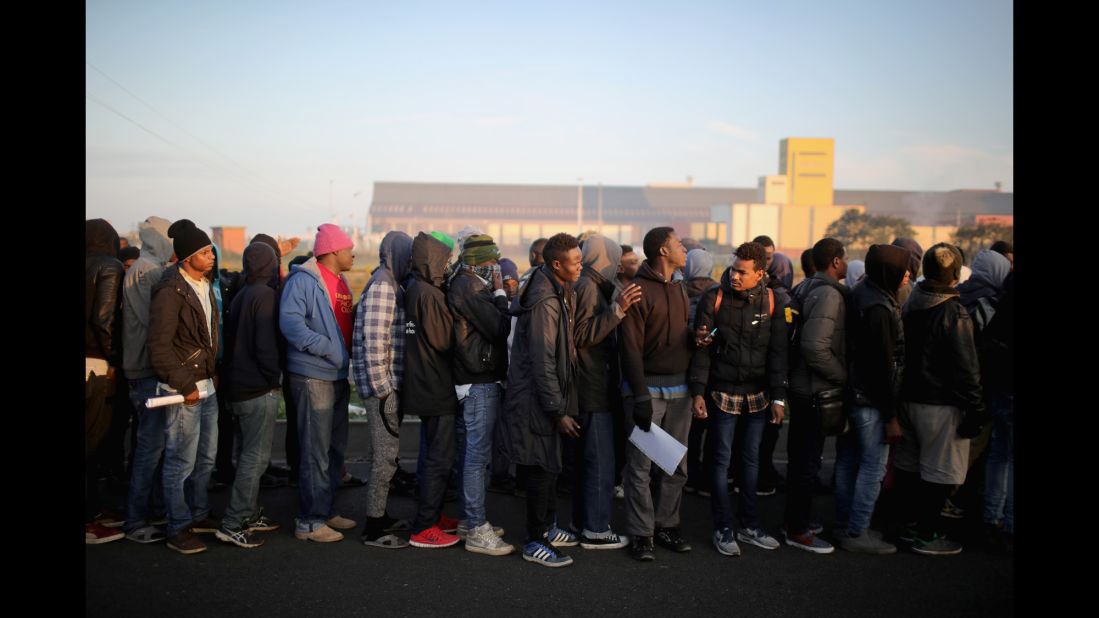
808,164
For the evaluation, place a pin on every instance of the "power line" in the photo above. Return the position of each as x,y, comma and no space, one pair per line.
255,176
202,159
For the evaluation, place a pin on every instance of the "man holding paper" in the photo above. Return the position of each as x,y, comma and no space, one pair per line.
183,342
656,350
738,381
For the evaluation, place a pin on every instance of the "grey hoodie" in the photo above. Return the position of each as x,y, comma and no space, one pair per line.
137,289
597,317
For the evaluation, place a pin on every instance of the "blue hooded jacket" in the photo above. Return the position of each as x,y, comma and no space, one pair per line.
315,346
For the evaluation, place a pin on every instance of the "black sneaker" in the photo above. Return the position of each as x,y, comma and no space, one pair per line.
669,538
765,489
240,537
641,547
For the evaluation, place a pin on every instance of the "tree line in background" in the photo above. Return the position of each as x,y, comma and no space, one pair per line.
857,231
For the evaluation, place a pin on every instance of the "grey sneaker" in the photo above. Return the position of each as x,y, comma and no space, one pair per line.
483,540
757,537
723,541
463,528
866,543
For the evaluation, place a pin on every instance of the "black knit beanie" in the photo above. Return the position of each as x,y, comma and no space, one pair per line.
187,239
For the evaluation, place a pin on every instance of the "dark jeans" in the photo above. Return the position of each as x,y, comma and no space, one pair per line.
719,452
767,469
593,485
439,443
224,470
322,425
804,446
541,501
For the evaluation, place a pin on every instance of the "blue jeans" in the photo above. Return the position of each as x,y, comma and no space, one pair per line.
322,432
190,445
146,493
255,429
593,482
860,468
473,427
1000,477
719,453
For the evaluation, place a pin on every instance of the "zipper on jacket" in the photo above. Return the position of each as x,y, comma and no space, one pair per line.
191,357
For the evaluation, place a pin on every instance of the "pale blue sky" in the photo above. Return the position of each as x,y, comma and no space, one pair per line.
263,103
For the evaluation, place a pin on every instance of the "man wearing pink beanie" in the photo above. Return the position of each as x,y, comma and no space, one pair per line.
315,315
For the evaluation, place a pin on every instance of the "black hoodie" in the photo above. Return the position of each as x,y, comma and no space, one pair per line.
427,387
251,365
657,343
877,335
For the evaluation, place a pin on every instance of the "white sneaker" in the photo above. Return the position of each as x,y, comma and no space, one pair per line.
483,540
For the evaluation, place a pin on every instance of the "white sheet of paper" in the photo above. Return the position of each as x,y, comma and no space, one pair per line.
659,446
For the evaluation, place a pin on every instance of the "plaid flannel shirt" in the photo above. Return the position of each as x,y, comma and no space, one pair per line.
734,403
377,341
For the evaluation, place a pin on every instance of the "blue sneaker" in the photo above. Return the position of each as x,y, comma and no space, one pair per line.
545,555
561,538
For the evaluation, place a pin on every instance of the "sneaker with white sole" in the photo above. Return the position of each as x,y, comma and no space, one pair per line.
561,538
951,511
241,537
602,540
96,534
540,552
484,540
810,543
723,541
757,537
261,523
463,529
433,538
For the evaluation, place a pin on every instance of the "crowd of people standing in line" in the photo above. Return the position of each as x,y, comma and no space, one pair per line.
517,380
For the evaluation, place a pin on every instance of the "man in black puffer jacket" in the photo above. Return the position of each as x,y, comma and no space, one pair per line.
942,394
877,363
738,381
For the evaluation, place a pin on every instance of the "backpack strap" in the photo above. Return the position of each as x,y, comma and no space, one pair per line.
717,302
771,301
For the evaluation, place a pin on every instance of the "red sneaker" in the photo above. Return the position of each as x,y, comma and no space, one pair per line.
447,524
433,538
94,534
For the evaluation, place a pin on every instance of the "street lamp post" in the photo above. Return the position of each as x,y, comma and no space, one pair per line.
579,206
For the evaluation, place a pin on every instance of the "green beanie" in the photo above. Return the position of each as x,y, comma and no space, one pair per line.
443,238
478,249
